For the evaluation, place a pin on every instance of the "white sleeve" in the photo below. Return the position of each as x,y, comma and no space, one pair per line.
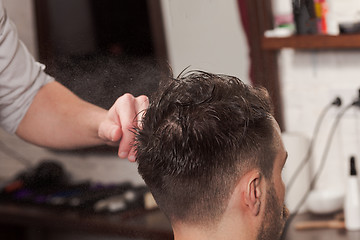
20,75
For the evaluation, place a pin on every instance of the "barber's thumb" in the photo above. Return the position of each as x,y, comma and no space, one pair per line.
115,134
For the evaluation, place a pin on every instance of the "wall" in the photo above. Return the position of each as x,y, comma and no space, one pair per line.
310,81
75,34
102,167
24,19
206,35
21,12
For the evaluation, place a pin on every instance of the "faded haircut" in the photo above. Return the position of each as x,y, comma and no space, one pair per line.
200,134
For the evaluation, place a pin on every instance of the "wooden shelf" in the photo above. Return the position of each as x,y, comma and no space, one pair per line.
312,42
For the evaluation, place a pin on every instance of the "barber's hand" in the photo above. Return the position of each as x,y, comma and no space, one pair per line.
122,117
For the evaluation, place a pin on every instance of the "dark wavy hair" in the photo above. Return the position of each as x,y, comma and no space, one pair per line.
200,134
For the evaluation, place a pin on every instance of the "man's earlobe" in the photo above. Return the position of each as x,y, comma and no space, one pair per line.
253,193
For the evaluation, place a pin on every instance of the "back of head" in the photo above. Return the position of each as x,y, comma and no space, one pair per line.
200,134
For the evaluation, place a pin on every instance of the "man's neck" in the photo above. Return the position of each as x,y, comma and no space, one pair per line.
224,231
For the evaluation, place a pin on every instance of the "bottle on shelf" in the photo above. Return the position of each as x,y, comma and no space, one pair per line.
352,199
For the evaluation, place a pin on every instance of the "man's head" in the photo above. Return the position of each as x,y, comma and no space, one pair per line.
209,142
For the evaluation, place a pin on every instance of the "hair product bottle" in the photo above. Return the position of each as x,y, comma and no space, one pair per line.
352,199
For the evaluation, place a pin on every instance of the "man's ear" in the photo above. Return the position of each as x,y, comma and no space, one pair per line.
252,191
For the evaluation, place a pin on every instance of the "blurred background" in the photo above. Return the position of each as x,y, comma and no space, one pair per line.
103,49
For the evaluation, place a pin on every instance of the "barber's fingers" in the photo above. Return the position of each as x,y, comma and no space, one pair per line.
110,130
125,111
130,114
122,118
141,104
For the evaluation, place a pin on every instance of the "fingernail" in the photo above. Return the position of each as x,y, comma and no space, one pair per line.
131,158
123,154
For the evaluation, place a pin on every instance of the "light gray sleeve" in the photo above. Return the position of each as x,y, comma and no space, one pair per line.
20,75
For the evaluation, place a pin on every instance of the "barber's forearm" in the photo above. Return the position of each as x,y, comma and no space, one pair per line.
59,119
